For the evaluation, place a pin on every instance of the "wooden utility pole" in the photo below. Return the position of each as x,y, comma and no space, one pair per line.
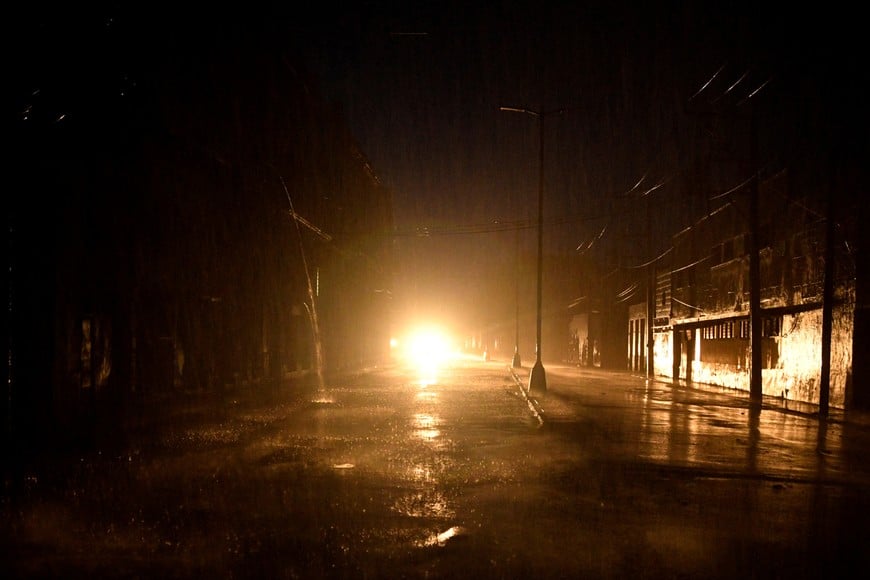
755,383
650,296
827,303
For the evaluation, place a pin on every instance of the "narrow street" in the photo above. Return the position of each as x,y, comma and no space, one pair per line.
452,472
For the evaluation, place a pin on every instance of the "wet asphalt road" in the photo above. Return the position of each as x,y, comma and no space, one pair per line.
395,472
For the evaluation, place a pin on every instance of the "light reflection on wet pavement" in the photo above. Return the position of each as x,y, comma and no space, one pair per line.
393,473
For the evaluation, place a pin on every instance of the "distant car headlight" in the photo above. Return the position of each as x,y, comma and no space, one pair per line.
425,345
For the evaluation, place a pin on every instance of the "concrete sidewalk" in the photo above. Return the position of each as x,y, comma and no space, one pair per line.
564,377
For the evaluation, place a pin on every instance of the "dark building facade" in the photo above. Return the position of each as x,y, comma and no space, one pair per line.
186,214
702,299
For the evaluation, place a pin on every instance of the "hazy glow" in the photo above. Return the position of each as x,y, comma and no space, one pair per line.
425,348
427,375
428,345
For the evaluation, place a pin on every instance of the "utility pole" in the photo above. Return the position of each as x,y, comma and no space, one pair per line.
538,376
827,300
650,296
755,384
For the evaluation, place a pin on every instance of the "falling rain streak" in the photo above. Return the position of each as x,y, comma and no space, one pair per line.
271,272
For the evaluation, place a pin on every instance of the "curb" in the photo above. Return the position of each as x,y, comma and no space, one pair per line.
534,405
768,403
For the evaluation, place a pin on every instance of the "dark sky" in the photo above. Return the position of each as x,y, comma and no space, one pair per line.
421,83
422,87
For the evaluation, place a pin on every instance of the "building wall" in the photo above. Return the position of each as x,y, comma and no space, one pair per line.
663,354
168,258
702,331
792,359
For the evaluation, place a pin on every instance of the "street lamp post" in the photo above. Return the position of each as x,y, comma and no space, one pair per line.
538,377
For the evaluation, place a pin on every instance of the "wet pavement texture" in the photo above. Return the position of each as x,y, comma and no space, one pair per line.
398,472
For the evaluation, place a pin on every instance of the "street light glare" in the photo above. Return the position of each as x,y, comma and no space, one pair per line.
423,345
428,345
425,349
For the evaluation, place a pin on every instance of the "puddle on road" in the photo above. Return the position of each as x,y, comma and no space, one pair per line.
421,474
425,426
424,504
427,396
323,400
428,434
444,537
202,437
425,421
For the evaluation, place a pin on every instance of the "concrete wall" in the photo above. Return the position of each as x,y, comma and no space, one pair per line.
794,358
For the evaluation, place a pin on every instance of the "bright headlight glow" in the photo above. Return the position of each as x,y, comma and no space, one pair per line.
428,345
425,346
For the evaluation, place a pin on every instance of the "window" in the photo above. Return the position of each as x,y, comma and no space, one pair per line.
771,326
